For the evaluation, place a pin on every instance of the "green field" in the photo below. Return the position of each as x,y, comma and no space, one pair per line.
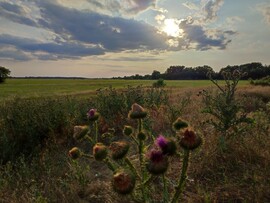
52,87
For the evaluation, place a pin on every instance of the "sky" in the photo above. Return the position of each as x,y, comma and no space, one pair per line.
111,38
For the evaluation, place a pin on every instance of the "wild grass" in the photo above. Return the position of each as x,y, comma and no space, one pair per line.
58,87
239,174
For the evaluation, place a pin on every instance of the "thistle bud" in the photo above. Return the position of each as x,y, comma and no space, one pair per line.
137,112
80,131
141,135
75,153
123,181
167,146
128,130
190,140
92,115
179,124
156,162
100,151
119,149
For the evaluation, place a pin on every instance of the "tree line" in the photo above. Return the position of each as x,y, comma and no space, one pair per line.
253,71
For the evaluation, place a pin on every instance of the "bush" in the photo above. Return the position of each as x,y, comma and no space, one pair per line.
4,73
159,83
265,81
27,124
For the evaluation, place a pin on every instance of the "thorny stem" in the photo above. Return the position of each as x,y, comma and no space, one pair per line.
133,169
181,183
96,131
110,165
165,189
141,158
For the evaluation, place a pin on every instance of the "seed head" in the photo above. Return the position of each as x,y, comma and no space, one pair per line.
128,130
80,131
137,112
119,149
75,153
123,181
190,140
179,124
100,151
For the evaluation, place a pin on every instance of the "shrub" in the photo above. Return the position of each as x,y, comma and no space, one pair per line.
265,81
159,83
27,124
222,105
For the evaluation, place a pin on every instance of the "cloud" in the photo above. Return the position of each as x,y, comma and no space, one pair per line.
190,6
211,8
42,50
265,10
15,13
127,7
112,33
199,38
13,54
76,33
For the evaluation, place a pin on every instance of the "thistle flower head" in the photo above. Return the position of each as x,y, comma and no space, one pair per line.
156,162
123,181
128,130
179,124
75,153
190,140
80,131
92,115
119,149
137,112
141,135
100,151
161,141
167,145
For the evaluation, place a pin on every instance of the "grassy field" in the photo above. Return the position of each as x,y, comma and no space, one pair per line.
51,87
36,134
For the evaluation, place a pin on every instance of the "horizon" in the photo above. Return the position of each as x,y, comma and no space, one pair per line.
106,39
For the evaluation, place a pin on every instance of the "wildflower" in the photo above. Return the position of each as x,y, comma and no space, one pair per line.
179,124
156,162
190,140
80,131
100,151
75,153
123,181
137,112
167,146
128,130
119,149
92,115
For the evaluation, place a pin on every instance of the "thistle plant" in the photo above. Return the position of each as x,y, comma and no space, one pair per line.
136,177
227,113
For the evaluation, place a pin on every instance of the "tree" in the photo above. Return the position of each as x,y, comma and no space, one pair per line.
4,73
155,75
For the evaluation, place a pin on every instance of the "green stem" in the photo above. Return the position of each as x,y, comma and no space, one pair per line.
87,156
141,159
132,168
110,165
96,131
87,137
181,184
165,189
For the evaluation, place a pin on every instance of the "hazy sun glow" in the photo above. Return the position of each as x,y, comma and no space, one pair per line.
171,28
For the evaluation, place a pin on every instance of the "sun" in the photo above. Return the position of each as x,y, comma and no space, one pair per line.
171,27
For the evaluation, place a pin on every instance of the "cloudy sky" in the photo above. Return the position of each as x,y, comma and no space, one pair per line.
106,38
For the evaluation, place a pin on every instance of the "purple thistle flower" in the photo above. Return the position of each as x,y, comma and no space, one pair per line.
156,155
162,142
91,113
